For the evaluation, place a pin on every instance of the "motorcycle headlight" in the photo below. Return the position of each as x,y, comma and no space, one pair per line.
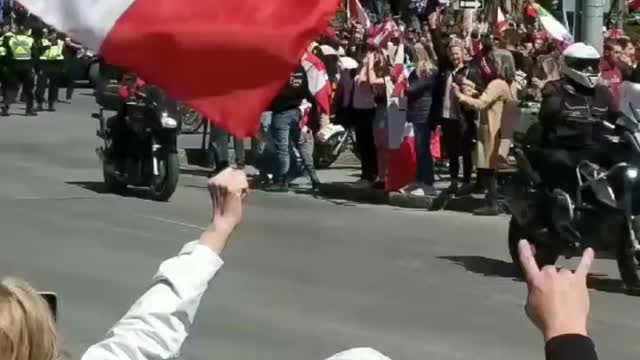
168,122
632,173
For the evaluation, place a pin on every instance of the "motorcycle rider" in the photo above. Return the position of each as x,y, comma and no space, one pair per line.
573,117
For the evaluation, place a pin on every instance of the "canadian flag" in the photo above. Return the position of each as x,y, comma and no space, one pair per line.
501,22
226,58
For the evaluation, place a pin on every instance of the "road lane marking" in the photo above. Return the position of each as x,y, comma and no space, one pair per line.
174,222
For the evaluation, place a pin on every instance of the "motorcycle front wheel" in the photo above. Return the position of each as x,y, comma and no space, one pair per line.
628,261
111,183
163,188
191,120
544,255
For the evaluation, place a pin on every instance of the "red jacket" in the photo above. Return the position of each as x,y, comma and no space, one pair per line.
127,90
611,76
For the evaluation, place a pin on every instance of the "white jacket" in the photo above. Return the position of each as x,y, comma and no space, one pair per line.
158,323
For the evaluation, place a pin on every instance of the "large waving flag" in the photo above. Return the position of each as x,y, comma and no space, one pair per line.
554,27
226,58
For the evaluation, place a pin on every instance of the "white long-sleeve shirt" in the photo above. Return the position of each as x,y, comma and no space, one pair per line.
158,323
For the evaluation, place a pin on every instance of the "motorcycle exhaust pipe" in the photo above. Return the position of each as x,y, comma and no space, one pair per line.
156,171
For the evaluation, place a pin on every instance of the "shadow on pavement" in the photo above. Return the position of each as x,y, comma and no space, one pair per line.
484,265
499,268
197,172
99,188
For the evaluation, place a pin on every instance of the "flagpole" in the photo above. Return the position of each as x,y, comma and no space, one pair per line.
348,11
593,13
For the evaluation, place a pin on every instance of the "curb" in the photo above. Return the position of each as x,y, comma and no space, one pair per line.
347,191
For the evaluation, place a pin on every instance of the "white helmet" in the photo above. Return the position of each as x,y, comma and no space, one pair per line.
581,63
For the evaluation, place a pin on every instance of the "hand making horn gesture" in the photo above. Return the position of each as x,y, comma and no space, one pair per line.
558,301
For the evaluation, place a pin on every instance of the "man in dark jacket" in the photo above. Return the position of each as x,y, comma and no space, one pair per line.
457,123
285,128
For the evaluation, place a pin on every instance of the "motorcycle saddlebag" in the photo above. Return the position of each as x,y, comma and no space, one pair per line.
108,97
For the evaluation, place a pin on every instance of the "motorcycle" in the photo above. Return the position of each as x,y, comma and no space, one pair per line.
603,213
192,121
152,156
330,143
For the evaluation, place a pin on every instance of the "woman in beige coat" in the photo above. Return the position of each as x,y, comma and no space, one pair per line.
495,105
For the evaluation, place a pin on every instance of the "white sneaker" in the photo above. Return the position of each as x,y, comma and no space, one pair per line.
424,190
410,188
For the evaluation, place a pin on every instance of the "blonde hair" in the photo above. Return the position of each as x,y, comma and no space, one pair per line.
27,328
424,63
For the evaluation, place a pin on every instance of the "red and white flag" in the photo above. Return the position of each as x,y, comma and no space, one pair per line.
318,80
381,34
357,13
227,59
502,23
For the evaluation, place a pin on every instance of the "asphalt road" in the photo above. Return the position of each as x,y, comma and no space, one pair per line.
304,278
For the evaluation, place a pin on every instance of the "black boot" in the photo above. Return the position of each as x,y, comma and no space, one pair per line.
52,107
4,110
453,187
491,208
30,112
40,107
474,188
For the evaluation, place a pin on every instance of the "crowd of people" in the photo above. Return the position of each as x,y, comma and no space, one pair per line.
458,86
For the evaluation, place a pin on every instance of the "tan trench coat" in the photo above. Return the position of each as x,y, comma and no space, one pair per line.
496,105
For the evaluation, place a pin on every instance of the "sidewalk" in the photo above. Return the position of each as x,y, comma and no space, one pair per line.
339,182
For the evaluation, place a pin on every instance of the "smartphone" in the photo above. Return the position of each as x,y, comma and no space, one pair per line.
52,300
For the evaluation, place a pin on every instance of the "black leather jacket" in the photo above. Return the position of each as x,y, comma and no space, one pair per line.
570,114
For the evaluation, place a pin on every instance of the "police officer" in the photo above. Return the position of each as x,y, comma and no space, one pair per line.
20,50
49,70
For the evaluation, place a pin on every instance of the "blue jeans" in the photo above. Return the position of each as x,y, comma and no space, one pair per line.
422,134
285,130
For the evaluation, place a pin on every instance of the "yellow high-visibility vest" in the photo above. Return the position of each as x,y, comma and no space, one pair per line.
21,47
54,52
3,50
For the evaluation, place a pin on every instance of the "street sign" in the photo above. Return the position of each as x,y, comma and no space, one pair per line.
468,4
